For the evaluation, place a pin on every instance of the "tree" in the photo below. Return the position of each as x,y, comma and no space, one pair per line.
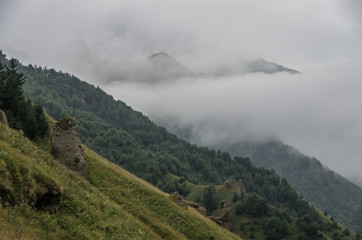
209,200
346,232
235,197
309,226
2,82
13,82
239,209
20,112
275,228
254,205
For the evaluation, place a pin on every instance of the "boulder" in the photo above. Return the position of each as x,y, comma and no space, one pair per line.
3,118
67,148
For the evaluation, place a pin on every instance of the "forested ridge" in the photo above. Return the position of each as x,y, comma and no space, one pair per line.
129,139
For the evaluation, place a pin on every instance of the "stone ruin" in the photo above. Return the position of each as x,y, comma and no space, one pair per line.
67,148
3,118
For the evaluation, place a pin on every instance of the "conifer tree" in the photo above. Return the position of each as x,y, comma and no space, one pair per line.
21,113
209,199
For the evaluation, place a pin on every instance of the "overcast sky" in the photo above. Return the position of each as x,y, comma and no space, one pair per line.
319,111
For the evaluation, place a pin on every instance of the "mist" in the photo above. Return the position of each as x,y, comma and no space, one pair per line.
318,112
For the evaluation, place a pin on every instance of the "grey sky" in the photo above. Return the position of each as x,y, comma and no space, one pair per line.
318,112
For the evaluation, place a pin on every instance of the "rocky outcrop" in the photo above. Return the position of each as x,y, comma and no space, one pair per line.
67,148
234,185
198,208
176,197
223,216
3,118
39,191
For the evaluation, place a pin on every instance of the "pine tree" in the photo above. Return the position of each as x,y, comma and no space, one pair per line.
209,199
21,113
13,82
2,82
235,197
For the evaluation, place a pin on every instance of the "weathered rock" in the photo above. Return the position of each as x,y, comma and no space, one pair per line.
3,118
223,216
67,147
178,199
200,209
183,203
234,185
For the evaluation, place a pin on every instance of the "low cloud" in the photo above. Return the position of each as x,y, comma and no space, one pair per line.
317,111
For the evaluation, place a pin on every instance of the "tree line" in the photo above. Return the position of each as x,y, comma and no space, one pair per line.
21,113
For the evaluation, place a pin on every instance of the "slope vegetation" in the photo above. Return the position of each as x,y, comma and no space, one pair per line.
113,205
322,187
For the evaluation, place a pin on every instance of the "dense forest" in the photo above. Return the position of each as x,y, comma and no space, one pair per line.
129,139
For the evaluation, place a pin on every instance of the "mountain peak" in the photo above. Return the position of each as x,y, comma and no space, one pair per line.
159,55
261,65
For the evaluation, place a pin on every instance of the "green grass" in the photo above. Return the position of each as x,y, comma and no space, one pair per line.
113,205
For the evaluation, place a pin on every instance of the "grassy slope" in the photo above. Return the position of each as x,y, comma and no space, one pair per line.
113,205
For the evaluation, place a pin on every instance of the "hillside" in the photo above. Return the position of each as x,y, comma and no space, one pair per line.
246,223
114,204
319,185
324,188
132,141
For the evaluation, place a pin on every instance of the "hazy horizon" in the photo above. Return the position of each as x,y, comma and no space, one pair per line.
318,112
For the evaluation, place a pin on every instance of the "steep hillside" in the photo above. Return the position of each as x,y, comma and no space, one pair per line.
324,188
131,140
276,224
42,199
319,185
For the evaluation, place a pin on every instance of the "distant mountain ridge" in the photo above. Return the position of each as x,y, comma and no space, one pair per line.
260,65
162,67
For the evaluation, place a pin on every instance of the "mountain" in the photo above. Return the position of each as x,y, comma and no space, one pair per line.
159,67
163,67
131,140
260,65
247,67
